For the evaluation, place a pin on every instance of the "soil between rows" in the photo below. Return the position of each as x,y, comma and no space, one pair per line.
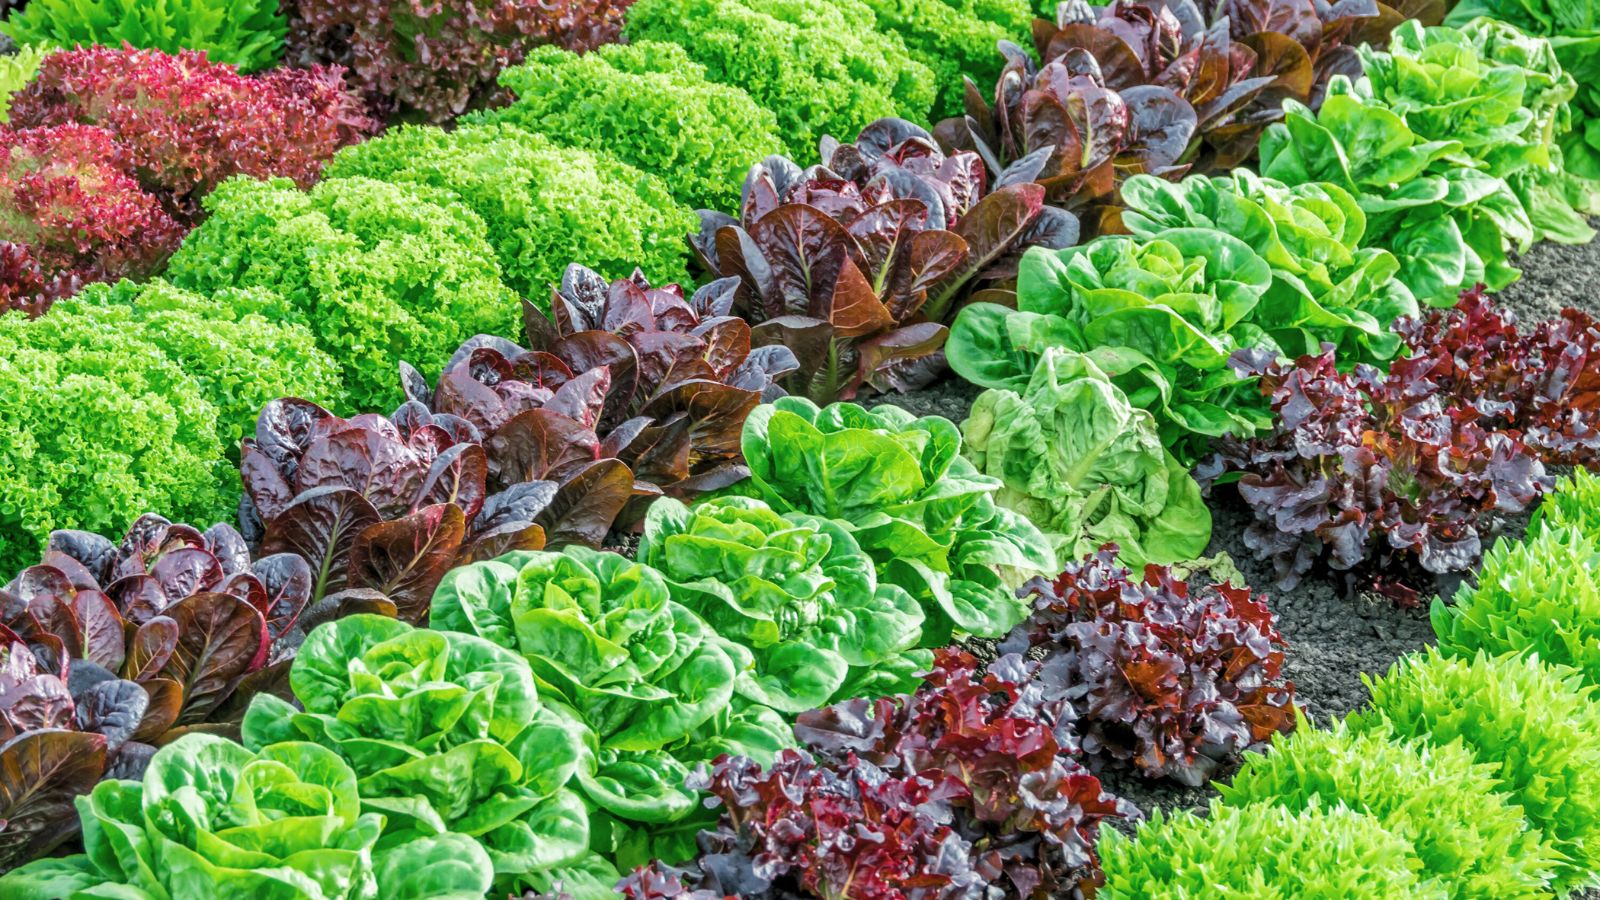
1334,634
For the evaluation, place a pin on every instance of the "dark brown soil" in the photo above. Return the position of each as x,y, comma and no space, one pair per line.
1336,633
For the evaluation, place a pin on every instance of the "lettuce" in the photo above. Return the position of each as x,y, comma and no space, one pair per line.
923,512
1078,460
246,34
1504,96
650,681
1161,317
821,66
649,105
445,733
794,591
1326,285
212,819
1450,224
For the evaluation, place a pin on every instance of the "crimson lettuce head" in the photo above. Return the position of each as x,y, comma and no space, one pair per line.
857,263
445,733
213,818
924,514
794,591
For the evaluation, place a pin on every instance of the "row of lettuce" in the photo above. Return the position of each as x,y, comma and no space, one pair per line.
1471,774
896,253
544,730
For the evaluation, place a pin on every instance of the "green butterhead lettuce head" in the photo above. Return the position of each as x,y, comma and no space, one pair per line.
1504,96
1160,316
913,503
1448,223
212,819
794,590
1082,463
644,682
1326,286
446,734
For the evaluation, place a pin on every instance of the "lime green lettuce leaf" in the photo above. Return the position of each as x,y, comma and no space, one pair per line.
445,732
1161,316
1449,224
1086,466
915,505
793,592
1504,95
247,34
212,819
1326,286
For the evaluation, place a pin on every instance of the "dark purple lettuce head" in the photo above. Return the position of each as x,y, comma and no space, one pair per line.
1174,677
857,263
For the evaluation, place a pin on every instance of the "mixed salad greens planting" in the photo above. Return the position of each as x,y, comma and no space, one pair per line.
548,368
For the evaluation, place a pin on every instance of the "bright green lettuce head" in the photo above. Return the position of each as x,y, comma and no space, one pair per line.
792,591
1540,595
920,509
1574,504
1449,224
1326,286
1262,850
1534,722
648,681
1504,96
1465,831
446,734
1161,316
1086,466
212,819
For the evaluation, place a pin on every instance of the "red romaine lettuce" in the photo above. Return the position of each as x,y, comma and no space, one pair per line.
1161,87
1367,468
968,782
857,264
1176,678
184,614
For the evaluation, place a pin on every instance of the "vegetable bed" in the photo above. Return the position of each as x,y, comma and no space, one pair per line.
853,449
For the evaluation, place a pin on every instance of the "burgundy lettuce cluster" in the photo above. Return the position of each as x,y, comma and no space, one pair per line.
108,649
75,215
1160,87
1368,469
635,392
856,264
1172,676
109,152
438,58
968,782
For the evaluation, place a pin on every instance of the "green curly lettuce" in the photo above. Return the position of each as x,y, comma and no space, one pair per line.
246,34
1504,96
1161,316
1326,285
649,105
212,819
16,70
793,591
132,397
1448,223
1467,834
822,66
1082,463
445,733
544,205
921,510
956,39
379,272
